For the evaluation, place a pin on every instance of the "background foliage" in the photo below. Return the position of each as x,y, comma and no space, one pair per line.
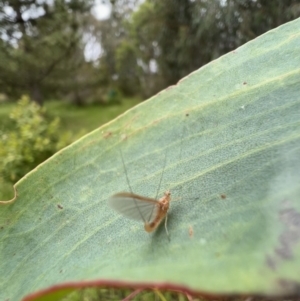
144,46
34,137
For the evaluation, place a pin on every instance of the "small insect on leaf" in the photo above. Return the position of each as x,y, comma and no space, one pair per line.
140,208
150,211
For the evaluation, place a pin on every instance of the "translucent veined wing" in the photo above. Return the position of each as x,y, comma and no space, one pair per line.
134,206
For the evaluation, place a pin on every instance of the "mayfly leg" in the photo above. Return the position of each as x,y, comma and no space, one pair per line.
166,218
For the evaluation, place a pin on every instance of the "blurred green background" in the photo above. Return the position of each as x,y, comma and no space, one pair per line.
69,66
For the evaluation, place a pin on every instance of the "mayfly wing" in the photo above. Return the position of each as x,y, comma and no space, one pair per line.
134,206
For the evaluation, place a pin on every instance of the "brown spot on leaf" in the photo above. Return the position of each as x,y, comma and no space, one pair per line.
223,196
244,83
191,231
60,206
107,135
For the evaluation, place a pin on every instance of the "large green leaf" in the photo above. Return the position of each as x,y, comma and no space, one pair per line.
230,134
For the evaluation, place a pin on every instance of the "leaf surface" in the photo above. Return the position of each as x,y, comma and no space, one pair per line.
229,135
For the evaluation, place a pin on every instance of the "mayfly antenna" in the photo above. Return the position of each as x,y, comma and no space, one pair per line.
161,176
135,201
159,184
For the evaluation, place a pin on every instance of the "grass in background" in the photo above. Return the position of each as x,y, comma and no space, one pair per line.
75,118
88,117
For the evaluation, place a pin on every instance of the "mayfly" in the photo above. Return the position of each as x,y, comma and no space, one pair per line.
151,211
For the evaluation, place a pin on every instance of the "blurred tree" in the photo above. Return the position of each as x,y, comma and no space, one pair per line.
38,43
117,60
159,43
257,17
145,45
144,28
189,34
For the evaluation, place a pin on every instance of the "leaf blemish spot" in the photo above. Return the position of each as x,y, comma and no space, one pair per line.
60,206
223,196
107,135
191,231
